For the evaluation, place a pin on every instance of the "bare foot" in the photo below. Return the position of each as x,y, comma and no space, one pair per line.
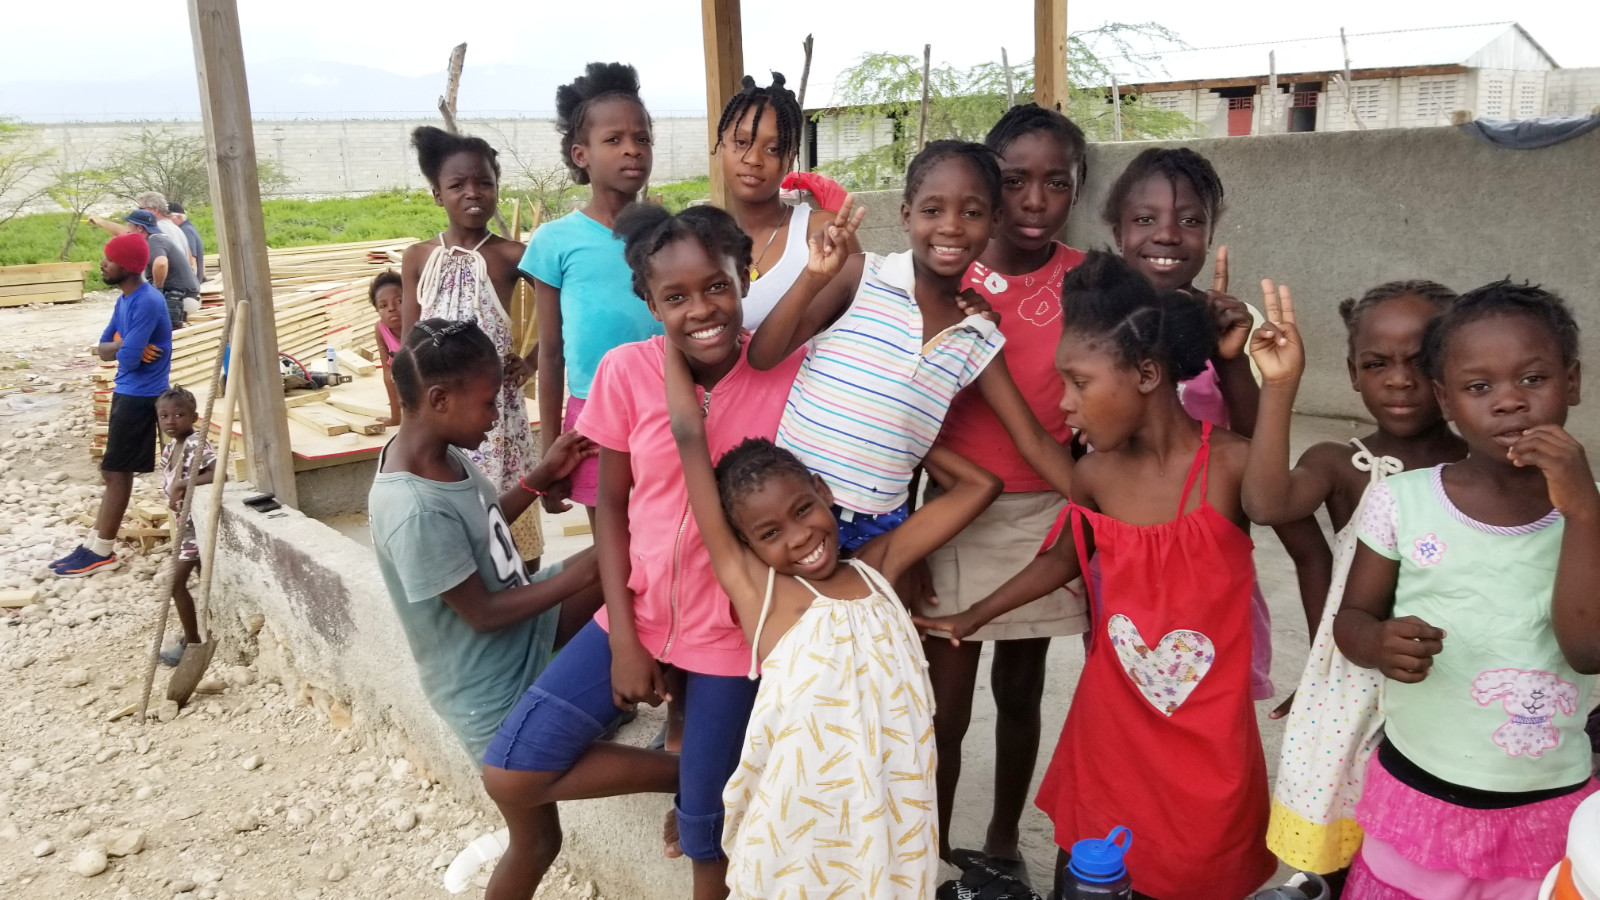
669,836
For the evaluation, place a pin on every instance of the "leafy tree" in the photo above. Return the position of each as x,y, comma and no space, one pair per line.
19,163
174,165
963,104
76,191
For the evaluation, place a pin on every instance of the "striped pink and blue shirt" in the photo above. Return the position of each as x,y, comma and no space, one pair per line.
871,395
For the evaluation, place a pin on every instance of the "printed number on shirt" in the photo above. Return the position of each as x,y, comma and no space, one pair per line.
995,283
507,561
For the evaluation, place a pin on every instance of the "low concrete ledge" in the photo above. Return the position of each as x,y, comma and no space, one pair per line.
308,606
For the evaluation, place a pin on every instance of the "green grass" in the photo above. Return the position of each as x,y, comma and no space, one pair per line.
290,223
678,194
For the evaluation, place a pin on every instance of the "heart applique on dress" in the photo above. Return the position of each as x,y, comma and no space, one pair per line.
1167,673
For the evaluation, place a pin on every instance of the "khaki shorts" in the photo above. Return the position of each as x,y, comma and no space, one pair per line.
996,546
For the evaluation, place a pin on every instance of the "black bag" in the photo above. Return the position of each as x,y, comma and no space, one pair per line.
981,882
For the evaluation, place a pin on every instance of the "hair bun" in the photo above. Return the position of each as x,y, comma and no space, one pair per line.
778,81
747,83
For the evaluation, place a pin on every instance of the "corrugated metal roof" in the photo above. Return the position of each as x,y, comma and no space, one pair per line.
1452,45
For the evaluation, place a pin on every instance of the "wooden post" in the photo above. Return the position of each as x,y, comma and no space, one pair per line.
922,118
1050,54
721,27
804,155
1116,108
452,83
1011,84
241,239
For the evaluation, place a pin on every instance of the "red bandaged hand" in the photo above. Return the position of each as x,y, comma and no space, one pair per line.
829,195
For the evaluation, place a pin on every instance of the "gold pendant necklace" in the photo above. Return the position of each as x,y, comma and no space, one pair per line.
755,271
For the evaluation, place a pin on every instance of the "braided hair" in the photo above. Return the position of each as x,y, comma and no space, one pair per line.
1114,306
600,82
754,462
1171,163
781,101
1353,309
441,352
645,229
985,164
180,395
1501,299
1020,121
435,145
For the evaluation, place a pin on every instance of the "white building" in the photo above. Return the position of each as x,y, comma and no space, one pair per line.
1397,79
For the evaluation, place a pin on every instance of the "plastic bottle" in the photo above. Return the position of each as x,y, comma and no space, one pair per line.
1096,872
333,359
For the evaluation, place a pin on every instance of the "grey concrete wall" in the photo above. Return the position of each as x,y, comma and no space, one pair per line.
356,156
1334,214
308,606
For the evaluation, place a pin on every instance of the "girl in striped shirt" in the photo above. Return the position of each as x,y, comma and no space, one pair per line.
891,339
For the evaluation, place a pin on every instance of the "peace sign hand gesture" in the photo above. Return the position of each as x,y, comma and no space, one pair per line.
828,248
1233,317
1276,346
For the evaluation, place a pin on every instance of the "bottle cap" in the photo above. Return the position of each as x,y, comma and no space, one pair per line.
1100,859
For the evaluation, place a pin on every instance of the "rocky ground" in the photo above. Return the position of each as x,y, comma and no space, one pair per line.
245,792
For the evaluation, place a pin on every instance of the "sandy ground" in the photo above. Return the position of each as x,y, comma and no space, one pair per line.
244,793
247,792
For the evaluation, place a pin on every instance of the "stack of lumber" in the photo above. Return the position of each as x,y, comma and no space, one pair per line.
319,301
45,283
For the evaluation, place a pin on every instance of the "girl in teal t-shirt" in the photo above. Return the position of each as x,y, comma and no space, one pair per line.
583,290
1473,592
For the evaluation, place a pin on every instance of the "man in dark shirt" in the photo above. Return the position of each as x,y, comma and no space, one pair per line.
197,247
169,269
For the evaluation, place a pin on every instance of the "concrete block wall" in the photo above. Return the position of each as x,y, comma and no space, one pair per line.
1572,92
1332,214
331,157
308,606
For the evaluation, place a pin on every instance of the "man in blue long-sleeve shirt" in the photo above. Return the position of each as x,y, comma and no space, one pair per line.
139,338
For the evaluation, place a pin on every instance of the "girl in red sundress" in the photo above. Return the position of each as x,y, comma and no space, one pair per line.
1161,736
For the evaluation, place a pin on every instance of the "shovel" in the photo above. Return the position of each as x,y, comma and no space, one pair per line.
192,667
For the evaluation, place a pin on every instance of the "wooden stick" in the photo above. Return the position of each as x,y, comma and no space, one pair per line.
922,125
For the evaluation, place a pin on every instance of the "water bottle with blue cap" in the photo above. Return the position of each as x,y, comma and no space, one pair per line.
1095,870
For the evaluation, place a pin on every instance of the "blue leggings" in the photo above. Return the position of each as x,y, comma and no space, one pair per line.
569,706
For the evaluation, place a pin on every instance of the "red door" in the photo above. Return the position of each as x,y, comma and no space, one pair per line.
1240,112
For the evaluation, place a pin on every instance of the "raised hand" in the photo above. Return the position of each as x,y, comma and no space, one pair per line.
1406,649
1566,469
1233,317
1277,347
828,248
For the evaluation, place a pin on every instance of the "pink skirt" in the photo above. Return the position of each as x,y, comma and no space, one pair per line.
1417,845
586,477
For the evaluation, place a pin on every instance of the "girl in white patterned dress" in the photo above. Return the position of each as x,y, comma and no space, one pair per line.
1333,725
835,795
462,275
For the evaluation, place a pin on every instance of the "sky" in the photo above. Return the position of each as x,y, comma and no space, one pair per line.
552,39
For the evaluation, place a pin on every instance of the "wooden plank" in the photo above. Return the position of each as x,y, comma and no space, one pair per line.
40,287
1050,54
44,272
301,399
241,238
349,360
64,295
358,424
359,409
319,422
722,30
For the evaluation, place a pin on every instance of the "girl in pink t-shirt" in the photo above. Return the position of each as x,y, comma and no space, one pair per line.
663,605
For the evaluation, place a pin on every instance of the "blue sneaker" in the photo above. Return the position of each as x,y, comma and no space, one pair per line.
76,556
88,563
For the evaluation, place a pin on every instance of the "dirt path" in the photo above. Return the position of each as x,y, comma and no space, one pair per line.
244,793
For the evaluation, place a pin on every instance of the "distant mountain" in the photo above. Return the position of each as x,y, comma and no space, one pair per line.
303,88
